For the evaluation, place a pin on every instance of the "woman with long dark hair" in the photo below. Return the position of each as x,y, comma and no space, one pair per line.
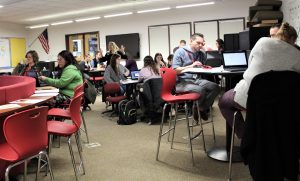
115,72
159,60
69,78
149,71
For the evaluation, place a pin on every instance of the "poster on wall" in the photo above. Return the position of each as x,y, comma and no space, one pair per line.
77,50
93,46
4,53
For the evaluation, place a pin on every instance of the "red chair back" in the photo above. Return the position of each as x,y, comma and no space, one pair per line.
26,132
112,88
168,81
78,89
75,110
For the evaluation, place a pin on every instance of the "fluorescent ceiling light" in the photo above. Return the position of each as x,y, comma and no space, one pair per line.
61,23
37,26
120,14
97,9
1,6
193,5
153,10
87,19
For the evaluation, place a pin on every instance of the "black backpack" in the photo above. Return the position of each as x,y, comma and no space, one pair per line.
127,112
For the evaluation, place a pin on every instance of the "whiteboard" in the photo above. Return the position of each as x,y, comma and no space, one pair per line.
4,53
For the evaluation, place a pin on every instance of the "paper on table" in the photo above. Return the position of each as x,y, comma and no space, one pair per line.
46,91
9,106
26,101
45,94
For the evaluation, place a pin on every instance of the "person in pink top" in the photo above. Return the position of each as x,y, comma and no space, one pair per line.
149,71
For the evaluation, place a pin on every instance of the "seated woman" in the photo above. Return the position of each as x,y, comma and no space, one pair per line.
159,60
113,49
149,71
32,59
115,72
149,95
68,80
276,53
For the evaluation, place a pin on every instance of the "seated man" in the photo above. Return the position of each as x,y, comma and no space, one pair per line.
190,56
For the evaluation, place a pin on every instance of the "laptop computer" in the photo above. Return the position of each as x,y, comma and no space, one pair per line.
135,75
213,59
234,61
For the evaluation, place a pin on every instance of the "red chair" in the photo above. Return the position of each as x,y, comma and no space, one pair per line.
27,137
112,91
97,79
65,113
168,85
67,130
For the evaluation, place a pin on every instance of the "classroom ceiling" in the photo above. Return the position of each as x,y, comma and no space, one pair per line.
32,12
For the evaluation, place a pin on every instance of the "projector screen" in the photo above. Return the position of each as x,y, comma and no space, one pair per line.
130,41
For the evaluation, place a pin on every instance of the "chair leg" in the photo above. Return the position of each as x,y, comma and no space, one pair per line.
160,130
78,142
188,129
25,170
50,143
80,154
203,140
39,167
170,120
48,164
73,158
174,124
85,128
212,124
231,145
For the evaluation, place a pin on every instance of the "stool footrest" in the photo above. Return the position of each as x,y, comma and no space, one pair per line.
167,131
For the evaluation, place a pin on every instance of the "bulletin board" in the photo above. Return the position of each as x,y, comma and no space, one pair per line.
18,50
5,59
291,14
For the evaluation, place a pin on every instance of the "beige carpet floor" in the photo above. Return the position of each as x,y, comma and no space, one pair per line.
127,153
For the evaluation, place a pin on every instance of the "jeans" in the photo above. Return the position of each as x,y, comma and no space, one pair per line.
208,90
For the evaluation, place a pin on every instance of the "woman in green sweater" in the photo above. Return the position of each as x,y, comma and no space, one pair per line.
69,79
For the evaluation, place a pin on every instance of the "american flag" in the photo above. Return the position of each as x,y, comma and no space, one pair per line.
44,40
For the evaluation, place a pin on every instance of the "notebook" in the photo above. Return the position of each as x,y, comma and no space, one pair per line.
235,61
135,75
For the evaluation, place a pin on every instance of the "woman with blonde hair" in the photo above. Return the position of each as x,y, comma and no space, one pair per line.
113,49
277,53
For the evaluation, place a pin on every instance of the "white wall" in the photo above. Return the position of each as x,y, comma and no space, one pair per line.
137,23
10,30
291,12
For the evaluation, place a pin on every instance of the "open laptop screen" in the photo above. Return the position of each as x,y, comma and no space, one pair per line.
235,59
135,75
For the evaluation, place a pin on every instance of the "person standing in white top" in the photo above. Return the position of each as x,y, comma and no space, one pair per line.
268,54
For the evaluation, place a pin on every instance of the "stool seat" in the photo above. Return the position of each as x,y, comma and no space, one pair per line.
181,98
96,78
61,128
58,112
115,99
